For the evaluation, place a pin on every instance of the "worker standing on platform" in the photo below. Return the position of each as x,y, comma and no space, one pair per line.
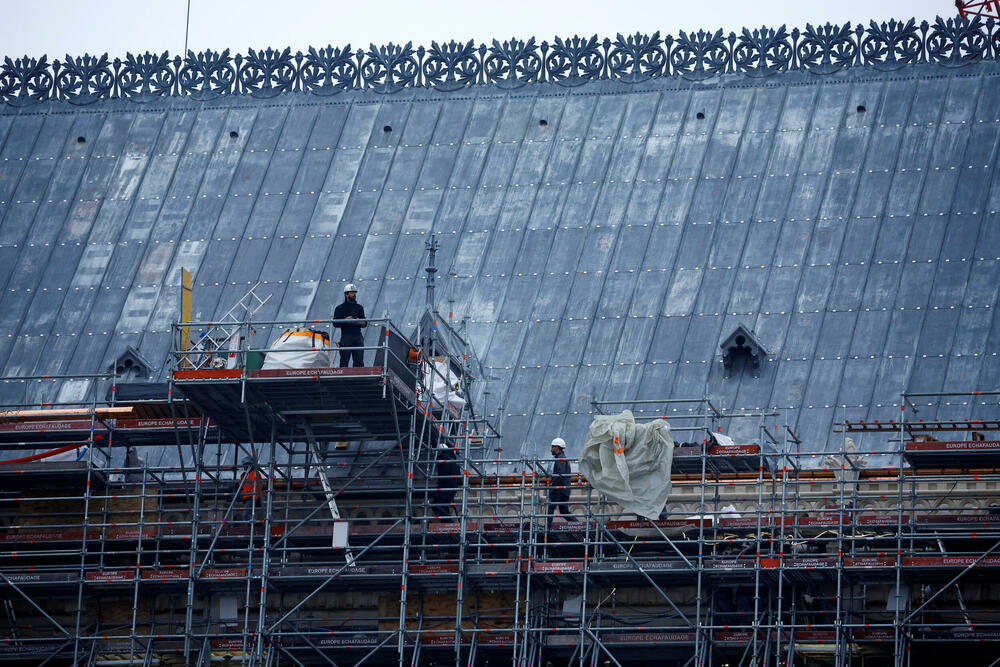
559,485
250,488
351,340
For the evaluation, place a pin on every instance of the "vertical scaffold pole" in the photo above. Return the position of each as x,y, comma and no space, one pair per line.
86,524
699,592
529,650
757,548
195,527
463,535
266,551
408,510
842,513
138,560
520,622
897,631
781,545
586,576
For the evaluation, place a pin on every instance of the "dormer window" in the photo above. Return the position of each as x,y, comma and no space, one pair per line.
742,342
130,366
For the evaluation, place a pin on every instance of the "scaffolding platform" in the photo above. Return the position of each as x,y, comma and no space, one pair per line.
504,534
718,459
965,454
893,426
135,431
364,403
49,431
51,474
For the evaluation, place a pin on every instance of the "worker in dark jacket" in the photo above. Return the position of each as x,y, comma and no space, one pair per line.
449,478
351,340
559,485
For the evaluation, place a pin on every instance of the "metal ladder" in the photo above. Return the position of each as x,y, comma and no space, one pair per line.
324,480
223,337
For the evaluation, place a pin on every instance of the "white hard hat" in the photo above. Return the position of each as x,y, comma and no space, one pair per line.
351,287
559,442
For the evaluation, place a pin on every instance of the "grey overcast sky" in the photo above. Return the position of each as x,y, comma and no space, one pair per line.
60,27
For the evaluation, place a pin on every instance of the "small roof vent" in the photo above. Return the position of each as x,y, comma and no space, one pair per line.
742,342
130,365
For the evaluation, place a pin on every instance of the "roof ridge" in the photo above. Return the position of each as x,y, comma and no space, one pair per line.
452,66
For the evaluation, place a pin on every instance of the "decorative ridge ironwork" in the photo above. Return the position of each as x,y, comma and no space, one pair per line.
756,53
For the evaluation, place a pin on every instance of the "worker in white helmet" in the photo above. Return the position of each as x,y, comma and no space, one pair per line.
559,484
349,317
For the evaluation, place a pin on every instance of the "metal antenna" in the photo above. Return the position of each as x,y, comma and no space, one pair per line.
187,29
432,248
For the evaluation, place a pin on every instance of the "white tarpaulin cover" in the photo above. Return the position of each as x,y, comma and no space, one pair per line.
444,384
299,348
724,440
629,462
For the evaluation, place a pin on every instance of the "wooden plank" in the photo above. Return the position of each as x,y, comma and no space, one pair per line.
48,415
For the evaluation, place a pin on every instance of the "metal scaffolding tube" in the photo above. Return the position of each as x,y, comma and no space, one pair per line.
810,545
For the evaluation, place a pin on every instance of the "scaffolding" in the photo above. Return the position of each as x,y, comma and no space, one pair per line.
352,516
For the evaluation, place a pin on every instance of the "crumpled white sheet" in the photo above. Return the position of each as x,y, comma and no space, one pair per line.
445,385
299,348
629,462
